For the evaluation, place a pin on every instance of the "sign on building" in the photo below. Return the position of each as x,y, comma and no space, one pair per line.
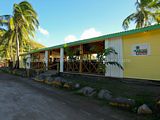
141,49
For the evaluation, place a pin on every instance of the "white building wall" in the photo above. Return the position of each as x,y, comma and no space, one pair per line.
112,70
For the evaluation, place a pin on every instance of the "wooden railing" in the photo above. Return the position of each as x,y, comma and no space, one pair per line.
71,66
90,67
38,65
53,66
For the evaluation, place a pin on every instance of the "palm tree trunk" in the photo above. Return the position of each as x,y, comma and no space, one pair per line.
17,51
11,51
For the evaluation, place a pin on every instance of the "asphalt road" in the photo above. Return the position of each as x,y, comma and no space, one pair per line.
22,99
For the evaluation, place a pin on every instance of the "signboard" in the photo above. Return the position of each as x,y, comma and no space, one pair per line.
141,49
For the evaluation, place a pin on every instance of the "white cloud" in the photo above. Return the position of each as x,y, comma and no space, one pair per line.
70,38
90,33
43,31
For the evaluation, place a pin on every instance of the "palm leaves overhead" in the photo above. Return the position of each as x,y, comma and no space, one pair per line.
147,13
21,27
27,19
4,20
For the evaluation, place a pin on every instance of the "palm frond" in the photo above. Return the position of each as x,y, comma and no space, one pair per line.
145,14
127,21
115,63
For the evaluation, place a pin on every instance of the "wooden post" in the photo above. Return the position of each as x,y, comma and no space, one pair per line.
81,59
58,65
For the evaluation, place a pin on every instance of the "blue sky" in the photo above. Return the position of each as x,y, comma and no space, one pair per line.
68,20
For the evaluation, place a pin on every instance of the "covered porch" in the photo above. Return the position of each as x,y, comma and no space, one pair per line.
75,59
45,60
79,58
83,58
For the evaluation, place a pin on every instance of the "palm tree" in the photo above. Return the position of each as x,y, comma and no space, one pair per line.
102,58
21,27
147,13
4,20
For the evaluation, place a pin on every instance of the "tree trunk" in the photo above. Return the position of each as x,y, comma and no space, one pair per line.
17,51
11,55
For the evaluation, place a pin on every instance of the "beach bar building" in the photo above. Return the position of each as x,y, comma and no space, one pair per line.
138,52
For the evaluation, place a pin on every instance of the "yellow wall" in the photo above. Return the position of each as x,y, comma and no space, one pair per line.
144,67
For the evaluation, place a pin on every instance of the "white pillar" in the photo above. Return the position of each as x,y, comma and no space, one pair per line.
46,59
61,59
28,61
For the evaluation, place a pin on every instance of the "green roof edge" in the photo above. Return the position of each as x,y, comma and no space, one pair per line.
118,34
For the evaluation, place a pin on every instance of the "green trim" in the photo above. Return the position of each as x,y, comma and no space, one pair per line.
119,34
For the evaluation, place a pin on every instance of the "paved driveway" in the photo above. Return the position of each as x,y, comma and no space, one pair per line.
22,99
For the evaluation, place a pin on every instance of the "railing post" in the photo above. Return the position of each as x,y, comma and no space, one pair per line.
46,59
81,59
58,67
61,59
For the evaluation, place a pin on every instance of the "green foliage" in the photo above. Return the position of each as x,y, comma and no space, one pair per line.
147,13
102,60
72,53
20,30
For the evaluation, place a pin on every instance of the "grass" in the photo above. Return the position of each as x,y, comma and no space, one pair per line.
142,94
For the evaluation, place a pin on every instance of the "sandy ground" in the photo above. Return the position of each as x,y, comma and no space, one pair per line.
22,99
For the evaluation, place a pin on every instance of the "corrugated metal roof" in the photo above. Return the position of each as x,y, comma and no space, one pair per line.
119,34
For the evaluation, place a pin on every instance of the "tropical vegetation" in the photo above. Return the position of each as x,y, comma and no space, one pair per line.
102,58
18,30
147,13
